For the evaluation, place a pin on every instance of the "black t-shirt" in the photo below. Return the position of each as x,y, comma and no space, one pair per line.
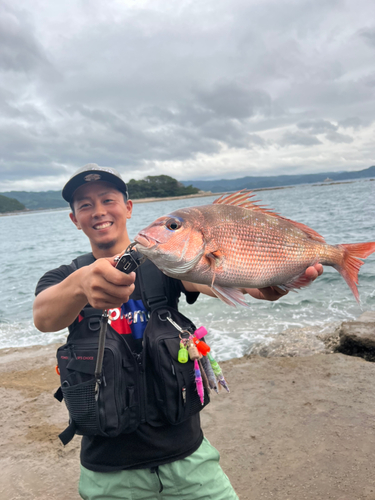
148,446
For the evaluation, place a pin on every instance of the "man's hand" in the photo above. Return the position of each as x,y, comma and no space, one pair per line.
100,285
274,292
104,286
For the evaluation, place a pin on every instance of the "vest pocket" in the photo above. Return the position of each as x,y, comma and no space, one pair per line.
178,397
173,382
80,402
116,407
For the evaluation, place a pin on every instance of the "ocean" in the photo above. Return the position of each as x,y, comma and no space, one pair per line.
32,243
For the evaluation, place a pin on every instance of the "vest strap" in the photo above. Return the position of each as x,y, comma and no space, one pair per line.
59,395
67,435
153,290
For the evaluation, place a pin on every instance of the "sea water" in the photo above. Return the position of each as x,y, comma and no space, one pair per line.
33,243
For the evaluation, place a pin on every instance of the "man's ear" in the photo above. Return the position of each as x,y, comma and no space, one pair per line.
129,208
74,220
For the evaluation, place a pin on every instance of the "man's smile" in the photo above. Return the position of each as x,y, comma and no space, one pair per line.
102,225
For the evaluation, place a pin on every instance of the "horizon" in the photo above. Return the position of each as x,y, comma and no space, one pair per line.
233,179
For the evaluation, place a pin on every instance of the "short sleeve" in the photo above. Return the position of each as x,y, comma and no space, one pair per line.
54,277
191,297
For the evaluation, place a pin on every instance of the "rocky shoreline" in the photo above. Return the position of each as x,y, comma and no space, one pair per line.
299,422
354,338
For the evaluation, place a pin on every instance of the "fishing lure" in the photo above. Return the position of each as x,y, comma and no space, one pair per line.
210,374
218,372
206,384
198,381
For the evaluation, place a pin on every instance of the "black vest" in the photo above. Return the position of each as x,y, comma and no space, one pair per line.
148,387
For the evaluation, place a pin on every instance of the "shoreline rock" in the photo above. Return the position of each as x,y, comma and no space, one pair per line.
295,342
357,338
353,338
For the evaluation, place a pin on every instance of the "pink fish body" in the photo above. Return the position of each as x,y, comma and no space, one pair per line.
235,243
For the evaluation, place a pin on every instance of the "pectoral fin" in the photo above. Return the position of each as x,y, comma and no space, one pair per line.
231,296
214,259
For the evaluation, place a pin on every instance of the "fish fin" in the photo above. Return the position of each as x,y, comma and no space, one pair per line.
298,282
214,258
242,199
212,262
352,263
231,296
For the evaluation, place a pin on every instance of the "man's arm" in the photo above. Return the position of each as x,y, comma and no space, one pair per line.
100,285
271,293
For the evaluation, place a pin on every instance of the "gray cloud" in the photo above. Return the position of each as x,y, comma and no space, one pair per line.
231,100
151,88
299,138
352,122
368,34
336,137
19,49
317,126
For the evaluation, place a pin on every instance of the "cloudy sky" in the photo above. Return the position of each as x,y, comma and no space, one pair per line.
194,89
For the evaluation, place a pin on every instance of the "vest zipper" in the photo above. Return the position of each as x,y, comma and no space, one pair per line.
142,395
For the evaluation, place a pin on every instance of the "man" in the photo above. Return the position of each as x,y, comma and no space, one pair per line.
167,461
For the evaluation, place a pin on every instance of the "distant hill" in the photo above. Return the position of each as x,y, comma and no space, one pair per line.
159,186
38,200
223,185
10,204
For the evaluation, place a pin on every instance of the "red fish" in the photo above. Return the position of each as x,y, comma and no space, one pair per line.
236,243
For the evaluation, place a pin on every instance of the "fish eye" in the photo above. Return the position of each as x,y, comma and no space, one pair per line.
173,224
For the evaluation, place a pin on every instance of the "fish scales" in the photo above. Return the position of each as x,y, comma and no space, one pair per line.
235,243
263,250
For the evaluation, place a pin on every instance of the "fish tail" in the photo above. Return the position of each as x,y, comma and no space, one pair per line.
351,264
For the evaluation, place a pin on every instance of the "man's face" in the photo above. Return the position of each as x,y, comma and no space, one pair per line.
101,212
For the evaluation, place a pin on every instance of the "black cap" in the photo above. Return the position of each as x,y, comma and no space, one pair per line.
92,172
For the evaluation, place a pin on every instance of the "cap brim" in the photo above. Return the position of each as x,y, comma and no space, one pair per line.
91,176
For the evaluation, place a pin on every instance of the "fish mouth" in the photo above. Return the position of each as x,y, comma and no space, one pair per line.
145,241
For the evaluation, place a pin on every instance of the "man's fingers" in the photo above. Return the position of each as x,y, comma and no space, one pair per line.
112,296
106,269
106,287
119,278
319,268
313,272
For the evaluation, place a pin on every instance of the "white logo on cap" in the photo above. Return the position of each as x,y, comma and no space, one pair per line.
92,177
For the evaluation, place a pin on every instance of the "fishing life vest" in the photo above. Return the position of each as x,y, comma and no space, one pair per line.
151,386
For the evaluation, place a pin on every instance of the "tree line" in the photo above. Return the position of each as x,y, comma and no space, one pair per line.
158,186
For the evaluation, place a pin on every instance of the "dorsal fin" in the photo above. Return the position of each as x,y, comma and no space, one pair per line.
242,199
